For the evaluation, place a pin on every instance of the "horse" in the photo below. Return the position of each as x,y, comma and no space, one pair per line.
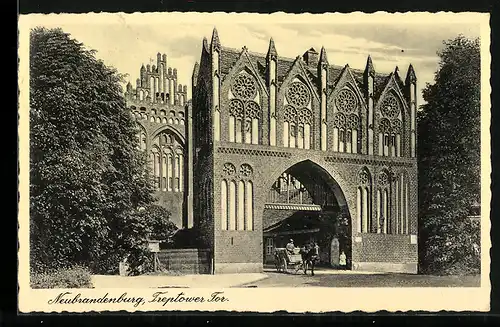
309,258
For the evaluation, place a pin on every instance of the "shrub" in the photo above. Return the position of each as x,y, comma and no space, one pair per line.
454,250
74,277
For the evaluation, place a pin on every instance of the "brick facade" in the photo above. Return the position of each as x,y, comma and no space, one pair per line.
255,116
381,103
159,105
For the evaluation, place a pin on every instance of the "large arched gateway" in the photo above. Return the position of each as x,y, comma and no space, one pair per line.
306,204
300,146
273,147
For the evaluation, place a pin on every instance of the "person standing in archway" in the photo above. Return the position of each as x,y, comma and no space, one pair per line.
343,261
290,247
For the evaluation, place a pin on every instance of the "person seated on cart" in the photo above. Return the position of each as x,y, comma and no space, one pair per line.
290,247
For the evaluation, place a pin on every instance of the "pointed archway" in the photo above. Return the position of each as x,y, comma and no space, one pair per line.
306,204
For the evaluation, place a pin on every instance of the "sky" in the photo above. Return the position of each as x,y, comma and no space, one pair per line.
127,41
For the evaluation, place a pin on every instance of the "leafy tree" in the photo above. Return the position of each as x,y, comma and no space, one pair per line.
449,158
158,223
87,176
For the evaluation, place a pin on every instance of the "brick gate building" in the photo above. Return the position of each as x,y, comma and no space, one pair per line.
343,138
158,103
272,148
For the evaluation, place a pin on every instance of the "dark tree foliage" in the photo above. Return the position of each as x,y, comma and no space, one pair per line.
87,176
449,160
160,227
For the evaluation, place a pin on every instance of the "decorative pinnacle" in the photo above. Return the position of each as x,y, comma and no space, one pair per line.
369,70
196,70
205,44
323,59
215,43
411,77
271,52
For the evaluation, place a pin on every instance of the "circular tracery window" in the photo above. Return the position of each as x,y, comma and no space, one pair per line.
396,126
390,107
383,179
305,116
229,168
244,87
339,120
236,108
246,170
252,110
298,94
363,177
353,121
346,101
385,125
290,114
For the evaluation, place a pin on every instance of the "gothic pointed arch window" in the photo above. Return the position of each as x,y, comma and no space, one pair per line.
224,214
232,205
390,126
244,110
236,110
168,161
402,206
346,122
252,122
297,117
156,156
236,197
171,116
142,140
384,192
364,201
164,171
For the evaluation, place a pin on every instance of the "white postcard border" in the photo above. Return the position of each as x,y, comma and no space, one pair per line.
262,299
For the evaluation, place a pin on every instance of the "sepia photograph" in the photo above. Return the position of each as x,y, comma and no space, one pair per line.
197,161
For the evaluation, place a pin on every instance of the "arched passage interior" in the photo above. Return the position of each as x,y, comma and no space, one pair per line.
306,204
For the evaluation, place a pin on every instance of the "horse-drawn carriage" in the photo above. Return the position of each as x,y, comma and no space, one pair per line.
288,262
293,262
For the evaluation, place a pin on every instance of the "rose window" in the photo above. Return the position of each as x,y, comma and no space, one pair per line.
298,94
252,110
305,116
390,107
290,113
396,126
246,170
385,125
339,120
353,121
383,179
346,101
363,177
236,108
229,168
244,87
